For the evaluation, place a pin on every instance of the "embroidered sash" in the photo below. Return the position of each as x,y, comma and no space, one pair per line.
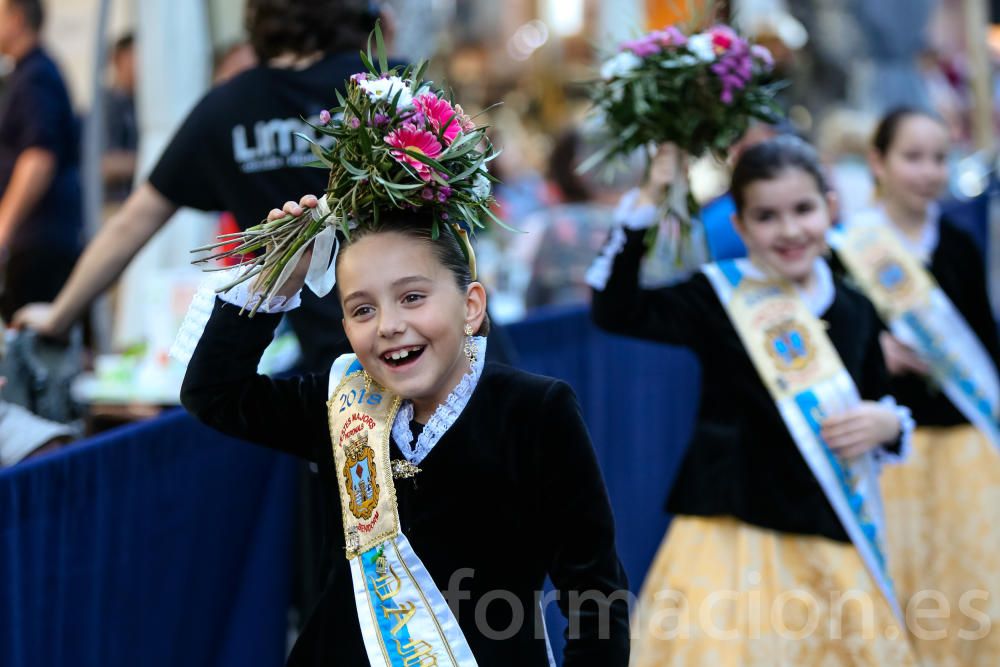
405,620
803,373
918,312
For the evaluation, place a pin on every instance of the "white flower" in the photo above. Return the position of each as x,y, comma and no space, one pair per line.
481,187
620,65
701,46
386,89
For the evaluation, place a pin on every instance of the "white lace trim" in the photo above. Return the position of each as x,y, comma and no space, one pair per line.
906,427
627,216
203,303
818,298
924,247
445,415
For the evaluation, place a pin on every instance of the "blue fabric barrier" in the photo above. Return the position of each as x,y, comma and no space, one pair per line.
160,544
167,543
639,400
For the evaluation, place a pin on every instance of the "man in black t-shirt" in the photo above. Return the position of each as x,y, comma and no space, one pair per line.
237,151
40,196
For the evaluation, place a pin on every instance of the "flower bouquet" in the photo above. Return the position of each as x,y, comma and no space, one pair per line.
696,91
399,142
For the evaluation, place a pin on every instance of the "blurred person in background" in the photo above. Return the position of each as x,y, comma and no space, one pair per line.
942,351
236,151
120,126
842,141
40,193
232,60
562,238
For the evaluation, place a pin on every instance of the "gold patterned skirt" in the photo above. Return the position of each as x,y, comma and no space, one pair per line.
943,529
723,592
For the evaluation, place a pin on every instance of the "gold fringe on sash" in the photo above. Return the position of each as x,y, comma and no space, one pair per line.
722,592
943,529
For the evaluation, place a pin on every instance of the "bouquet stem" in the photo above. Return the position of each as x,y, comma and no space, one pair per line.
678,215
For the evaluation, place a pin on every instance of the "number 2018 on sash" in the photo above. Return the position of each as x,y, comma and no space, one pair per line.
355,397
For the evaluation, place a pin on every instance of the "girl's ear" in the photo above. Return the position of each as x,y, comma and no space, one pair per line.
739,226
475,305
832,205
876,161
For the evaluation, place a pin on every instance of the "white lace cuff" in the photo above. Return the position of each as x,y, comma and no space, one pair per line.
906,427
631,215
599,272
203,303
626,216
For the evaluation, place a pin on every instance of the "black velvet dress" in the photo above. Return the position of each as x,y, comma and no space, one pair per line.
510,494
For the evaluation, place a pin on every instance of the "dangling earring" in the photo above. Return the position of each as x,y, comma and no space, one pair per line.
470,346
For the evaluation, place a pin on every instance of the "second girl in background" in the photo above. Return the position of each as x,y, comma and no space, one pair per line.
774,556
943,506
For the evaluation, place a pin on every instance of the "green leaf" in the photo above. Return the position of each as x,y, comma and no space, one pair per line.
469,171
311,141
418,76
494,218
461,140
383,61
453,228
365,140
487,109
427,160
352,169
317,150
366,60
402,187
368,45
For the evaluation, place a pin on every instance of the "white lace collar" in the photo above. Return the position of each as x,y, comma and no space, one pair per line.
818,298
445,415
922,248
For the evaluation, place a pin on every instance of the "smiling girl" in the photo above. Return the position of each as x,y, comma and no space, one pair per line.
461,485
774,555
928,280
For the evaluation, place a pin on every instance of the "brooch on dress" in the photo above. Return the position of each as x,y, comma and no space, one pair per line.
403,469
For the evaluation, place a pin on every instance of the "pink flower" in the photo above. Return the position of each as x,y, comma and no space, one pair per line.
412,138
672,36
723,38
359,77
324,117
643,47
355,123
762,54
381,119
463,119
669,36
439,114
